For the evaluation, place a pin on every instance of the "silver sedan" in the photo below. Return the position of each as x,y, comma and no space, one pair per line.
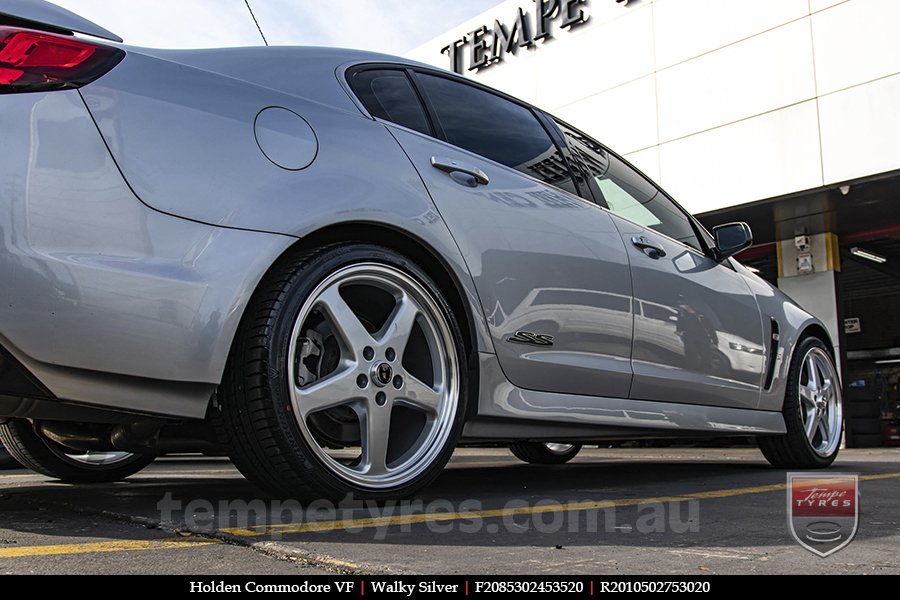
336,266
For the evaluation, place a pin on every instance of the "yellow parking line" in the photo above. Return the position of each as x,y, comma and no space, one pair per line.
362,523
196,472
90,548
879,476
144,474
368,522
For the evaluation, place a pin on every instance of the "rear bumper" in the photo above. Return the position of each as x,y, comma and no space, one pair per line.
17,381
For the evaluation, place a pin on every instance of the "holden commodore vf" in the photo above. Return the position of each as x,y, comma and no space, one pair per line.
336,266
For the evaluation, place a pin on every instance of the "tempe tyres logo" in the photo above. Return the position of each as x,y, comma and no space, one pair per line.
823,511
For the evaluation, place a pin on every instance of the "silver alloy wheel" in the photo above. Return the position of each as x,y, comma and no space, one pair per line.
90,459
99,459
821,410
558,448
406,366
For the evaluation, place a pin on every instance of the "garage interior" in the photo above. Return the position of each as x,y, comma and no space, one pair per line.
862,221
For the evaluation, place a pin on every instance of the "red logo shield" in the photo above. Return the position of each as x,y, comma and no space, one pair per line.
823,510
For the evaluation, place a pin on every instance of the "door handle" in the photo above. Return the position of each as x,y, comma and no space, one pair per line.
448,165
650,248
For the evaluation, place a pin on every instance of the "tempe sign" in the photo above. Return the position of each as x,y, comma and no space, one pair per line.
487,46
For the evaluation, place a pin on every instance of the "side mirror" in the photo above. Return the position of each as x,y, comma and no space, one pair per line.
731,239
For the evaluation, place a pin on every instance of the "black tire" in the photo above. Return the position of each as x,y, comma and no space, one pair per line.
866,440
266,442
6,459
43,456
537,453
856,395
861,410
864,426
794,450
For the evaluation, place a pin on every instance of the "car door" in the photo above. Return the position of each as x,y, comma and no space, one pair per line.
698,333
549,267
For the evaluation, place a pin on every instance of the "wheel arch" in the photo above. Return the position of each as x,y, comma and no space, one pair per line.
819,332
423,254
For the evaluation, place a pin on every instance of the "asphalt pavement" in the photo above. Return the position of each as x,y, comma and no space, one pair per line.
610,511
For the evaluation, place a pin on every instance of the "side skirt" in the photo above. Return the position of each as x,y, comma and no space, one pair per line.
508,412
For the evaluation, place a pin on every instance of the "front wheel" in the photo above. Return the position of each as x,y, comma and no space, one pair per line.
545,453
36,452
346,378
813,412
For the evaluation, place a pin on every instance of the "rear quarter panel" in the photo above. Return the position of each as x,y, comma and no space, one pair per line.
183,138
102,296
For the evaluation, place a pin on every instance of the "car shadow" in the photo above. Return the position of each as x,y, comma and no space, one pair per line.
478,500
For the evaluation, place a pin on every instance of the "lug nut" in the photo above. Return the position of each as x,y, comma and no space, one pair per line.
368,353
390,354
362,381
380,398
398,382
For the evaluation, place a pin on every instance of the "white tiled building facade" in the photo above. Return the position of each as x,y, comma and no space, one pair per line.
723,102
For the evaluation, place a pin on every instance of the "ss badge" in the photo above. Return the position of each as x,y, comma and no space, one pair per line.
535,339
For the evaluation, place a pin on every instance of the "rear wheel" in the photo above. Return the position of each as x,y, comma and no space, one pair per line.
6,459
813,412
36,452
345,378
545,453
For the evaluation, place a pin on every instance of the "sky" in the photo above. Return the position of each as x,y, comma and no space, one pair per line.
390,26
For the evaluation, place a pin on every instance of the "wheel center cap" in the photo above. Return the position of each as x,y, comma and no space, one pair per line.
382,373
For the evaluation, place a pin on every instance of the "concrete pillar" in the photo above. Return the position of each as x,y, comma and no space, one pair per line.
813,286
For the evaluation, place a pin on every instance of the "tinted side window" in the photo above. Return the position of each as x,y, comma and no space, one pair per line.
389,95
495,128
629,195
625,192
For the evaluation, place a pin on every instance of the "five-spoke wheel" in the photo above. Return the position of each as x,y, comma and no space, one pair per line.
820,403
392,374
346,377
813,411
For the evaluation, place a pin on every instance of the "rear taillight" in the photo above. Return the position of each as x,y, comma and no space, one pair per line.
34,61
